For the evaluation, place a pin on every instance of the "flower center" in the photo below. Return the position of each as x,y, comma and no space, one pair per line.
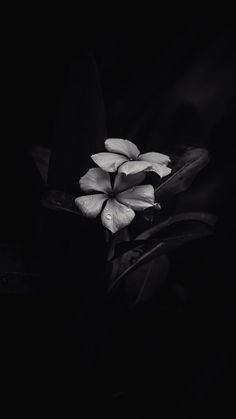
111,194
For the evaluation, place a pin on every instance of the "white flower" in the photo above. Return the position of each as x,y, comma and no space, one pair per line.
125,156
121,200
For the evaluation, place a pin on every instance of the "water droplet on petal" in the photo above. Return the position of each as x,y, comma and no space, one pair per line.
127,209
108,217
106,209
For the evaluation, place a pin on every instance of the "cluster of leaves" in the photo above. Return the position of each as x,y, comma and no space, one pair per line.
142,261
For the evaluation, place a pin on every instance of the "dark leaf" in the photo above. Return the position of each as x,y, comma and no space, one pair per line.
18,269
188,224
180,292
124,247
80,126
132,259
41,156
185,168
144,284
185,220
59,201
119,239
19,283
15,258
150,244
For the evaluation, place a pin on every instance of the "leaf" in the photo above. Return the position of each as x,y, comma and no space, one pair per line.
133,259
54,200
16,258
120,238
124,247
41,156
80,125
18,270
144,284
149,245
194,224
19,283
197,217
184,171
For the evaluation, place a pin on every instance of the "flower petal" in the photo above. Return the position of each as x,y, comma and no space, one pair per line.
126,147
123,182
155,158
108,161
91,205
160,169
116,216
133,167
137,198
95,180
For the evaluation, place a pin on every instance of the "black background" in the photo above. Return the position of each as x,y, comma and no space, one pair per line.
159,84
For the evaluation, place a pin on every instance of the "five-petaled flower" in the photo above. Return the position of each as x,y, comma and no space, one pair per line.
121,200
124,156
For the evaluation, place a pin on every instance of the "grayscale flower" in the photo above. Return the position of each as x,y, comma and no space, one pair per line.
122,200
124,156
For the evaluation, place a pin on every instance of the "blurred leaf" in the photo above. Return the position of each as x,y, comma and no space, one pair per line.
18,269
59,201
185,168
80,125
180,292
19,283
16,258
41,156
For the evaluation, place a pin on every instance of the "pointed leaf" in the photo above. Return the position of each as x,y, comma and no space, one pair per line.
133,259
196,218
185,168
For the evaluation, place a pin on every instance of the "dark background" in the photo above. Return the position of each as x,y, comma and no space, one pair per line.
160,85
